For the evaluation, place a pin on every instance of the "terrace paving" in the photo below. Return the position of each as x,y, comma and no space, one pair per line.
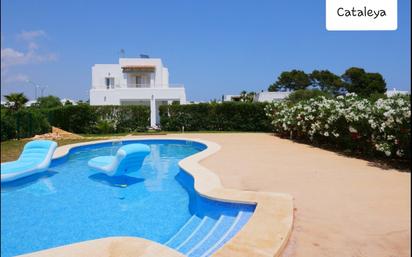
343,206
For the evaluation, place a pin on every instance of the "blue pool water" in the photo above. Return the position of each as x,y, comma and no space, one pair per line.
71,203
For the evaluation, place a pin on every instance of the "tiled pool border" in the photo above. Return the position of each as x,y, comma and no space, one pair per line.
266,234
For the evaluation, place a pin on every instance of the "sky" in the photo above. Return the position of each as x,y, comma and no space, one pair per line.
213,47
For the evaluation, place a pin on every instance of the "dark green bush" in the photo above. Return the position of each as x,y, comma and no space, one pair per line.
125,118
85,119
80,118
8,125
229,116
304,94
22,123
105,127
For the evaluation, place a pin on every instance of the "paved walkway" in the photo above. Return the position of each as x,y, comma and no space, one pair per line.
343,206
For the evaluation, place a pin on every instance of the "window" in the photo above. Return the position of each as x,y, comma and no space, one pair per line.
139,81
109,83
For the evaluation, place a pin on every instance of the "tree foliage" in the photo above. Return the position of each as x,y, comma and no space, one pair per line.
48,102
326,80
354,80
363,83
291,80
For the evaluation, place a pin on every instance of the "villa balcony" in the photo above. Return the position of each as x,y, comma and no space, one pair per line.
114,96
153,86
137,86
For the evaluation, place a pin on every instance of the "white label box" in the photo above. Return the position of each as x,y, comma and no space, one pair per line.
361,15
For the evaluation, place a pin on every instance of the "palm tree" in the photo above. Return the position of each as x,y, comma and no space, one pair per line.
16,100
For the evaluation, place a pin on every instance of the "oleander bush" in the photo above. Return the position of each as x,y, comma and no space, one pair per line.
379,127
228,116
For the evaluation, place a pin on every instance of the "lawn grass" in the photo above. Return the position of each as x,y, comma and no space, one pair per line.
11,149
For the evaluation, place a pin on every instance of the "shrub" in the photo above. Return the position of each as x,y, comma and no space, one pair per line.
304,94
105,127
84,118
124,118
48,102
80,118
348,122
22,123
229,116
8,125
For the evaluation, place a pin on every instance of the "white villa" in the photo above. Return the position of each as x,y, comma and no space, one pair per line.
143,81
260,97
271,96
394,92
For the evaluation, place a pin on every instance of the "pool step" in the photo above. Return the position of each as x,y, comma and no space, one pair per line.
184,232
200,237
241,219
197,234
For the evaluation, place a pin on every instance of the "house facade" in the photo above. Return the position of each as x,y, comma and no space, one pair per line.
135,81
271,96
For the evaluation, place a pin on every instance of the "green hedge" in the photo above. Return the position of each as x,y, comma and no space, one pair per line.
22,123
85,119
8,125
125,118
73,118
229,116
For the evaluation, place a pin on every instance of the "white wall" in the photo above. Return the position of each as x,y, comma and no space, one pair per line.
115,96
165,77
271,96
101,71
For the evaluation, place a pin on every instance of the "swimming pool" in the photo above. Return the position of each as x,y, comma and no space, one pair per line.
71,203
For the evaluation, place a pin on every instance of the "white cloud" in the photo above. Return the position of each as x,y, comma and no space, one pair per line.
11,57
31,35
15,78
33,45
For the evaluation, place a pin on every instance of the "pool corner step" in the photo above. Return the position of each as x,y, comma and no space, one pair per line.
197,235
184,232
214,235
200,237
213,245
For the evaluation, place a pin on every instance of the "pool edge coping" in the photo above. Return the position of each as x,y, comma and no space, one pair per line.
265,234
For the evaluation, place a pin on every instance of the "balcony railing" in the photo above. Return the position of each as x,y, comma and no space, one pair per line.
137,86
